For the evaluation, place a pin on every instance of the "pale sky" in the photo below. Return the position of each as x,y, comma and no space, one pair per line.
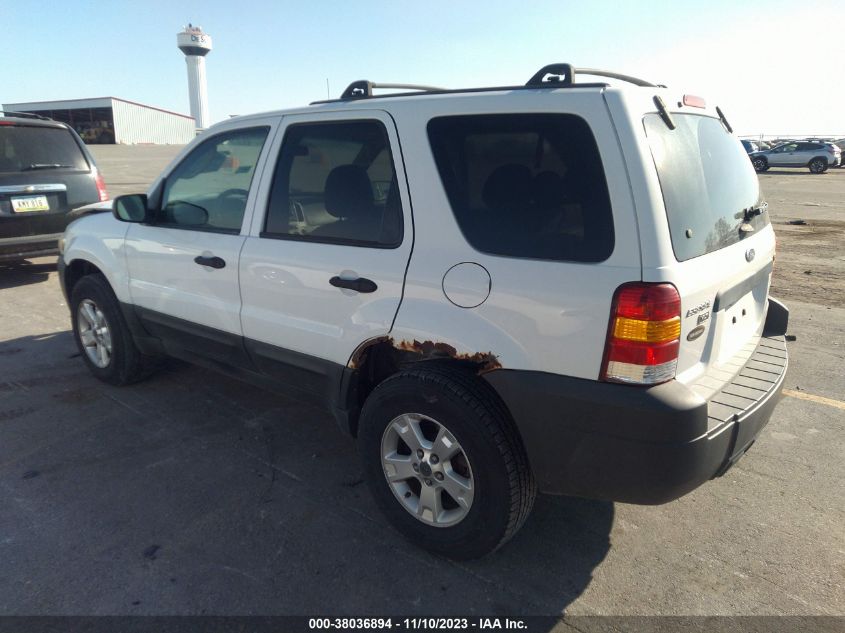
775,67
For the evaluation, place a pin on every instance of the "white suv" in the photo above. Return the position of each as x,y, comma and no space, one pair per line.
559,287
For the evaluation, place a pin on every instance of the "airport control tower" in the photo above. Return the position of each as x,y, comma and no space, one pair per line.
196,45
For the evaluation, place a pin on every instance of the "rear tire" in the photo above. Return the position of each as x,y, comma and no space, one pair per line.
818,166
423,406
760,164
102,336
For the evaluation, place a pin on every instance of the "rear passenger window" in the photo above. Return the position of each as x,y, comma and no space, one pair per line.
335,183
525,185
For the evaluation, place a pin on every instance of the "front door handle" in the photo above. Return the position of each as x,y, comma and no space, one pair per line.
358,285
211,262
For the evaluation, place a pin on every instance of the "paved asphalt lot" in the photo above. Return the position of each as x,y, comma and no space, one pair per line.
194,494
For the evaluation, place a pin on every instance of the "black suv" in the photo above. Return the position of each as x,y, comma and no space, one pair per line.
45,171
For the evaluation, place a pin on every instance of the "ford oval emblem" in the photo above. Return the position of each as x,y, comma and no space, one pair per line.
749,254
695,333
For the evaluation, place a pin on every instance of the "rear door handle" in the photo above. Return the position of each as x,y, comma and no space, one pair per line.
211,262
358,285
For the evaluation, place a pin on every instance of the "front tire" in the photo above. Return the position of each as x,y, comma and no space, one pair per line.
818,166
444,462
760,164
102,336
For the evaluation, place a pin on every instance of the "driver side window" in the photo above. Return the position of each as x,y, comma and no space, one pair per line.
208,190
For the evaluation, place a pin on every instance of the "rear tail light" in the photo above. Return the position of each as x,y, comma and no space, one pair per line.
101,187
643,339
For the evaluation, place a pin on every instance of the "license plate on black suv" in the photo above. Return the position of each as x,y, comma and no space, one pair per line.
30,204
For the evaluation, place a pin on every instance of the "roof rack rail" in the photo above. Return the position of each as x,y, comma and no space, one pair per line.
25,115
563,75
551,76
363,88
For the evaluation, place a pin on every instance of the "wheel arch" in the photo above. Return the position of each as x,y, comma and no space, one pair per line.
427,331
75,270
379,358
94,243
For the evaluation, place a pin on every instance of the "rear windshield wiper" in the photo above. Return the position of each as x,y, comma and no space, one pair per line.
664,113
35,166
749,214
758,209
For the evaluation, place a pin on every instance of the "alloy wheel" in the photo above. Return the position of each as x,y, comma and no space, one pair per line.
427,470
94,333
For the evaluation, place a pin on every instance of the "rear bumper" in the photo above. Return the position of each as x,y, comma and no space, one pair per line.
642,445
12,248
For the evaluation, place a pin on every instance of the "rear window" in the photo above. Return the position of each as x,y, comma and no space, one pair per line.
707,183
525,185
32,148
335,183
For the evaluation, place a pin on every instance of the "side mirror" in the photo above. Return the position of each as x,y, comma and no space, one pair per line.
131,208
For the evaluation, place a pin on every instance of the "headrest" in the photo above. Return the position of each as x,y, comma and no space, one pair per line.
348,192
547,189
508,188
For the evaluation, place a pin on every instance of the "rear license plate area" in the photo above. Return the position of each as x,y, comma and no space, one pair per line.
30,204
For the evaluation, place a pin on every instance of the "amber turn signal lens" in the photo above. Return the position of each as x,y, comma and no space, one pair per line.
647,331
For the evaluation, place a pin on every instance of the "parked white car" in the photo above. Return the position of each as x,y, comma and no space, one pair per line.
817,156
559,287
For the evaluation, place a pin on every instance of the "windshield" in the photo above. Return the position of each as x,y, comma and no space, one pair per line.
32,148
708,183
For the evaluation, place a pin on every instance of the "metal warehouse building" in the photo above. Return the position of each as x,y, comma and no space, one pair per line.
112,120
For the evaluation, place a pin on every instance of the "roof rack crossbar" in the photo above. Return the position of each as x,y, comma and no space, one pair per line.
363,88
25,115
563,75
